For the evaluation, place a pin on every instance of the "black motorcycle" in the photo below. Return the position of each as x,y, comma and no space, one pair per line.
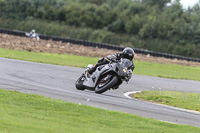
106,76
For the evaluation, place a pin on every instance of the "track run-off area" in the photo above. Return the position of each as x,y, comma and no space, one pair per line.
59,82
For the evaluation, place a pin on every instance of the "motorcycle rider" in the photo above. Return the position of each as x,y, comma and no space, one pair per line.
127,53
32,34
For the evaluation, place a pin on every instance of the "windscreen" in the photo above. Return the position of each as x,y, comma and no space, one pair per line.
125,63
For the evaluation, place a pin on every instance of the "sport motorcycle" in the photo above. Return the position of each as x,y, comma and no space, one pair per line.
105,77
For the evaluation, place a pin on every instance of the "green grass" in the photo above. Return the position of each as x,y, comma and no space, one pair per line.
57,59
27,113
177,99
142,68
167,70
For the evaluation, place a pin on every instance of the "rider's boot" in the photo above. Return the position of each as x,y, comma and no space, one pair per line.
91,70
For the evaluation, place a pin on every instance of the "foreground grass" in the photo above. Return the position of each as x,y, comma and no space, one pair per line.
25,113
177,99
142,68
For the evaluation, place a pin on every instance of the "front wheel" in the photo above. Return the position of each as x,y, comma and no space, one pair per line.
79,83
103,85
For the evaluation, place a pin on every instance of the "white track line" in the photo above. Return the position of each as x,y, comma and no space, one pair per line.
132,92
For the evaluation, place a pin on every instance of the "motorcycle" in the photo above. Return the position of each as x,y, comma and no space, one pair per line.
106,76
32,35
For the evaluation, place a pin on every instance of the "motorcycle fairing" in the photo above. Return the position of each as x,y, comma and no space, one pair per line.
90,82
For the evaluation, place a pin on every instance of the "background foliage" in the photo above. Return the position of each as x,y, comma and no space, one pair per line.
149,24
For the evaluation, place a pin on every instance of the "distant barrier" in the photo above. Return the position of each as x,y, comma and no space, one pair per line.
100,45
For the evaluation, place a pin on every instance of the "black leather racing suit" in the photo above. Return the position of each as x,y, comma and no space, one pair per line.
103,61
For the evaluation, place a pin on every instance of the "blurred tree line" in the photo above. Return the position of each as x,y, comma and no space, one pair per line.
158,25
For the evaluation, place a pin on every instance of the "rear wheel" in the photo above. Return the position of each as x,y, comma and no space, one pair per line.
79,83
105,82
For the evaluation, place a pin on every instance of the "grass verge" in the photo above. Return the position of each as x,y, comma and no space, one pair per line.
27,113
177,99
142,68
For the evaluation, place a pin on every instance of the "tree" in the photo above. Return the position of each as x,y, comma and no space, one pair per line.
160,3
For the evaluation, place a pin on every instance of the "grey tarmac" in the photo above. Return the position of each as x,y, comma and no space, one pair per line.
58,82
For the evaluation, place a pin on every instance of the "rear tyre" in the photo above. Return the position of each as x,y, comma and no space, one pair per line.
102,87
79,83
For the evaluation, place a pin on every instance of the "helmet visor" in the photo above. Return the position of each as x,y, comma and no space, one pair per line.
129,56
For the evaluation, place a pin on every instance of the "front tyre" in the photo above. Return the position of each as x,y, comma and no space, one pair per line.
79,83
103,86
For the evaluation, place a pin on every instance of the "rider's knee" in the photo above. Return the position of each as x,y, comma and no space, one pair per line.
101,60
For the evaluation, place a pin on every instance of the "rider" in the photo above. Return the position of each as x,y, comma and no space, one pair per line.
127,53
32,33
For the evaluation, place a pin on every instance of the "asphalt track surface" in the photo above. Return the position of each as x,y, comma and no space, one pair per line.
59,82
